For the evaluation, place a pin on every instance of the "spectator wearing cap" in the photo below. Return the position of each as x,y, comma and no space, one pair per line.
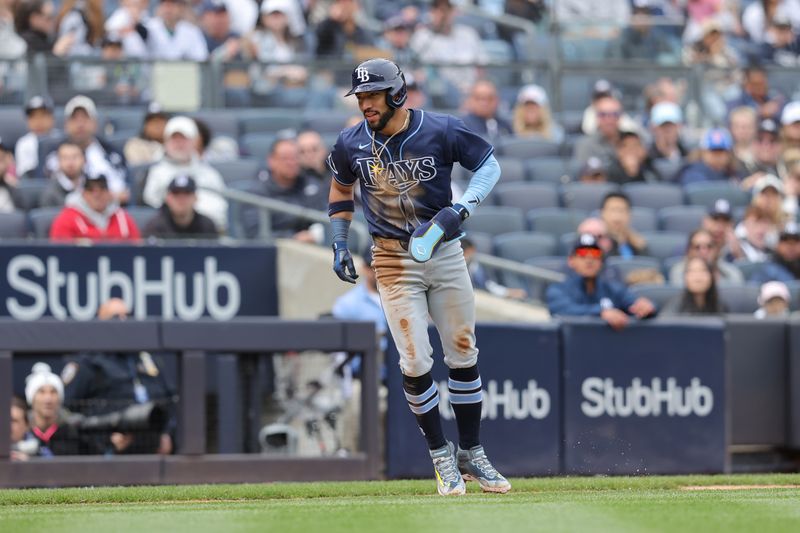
102,158
283,180
602,143
49,422
791,188
275,40
768,195
68,178
784,264
710,48
631,163
223,43
666,122
341,31
447,42
601,90
148,146
755,93
171,35
790,126
483,112
765,156
41,122
716,163
532,116
586,293
641,40
699,295
397,32
756,17
718,222
177,218
34,21
702,244
93,215
83,20
9,196
181,157
774,300
782,44
615,210
593,171
755,234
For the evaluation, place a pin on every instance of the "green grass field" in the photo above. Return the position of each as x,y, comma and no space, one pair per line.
547,504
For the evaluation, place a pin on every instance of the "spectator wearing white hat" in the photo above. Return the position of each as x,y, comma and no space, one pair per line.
81,127
532,116
666,121
44,393
768,194
790,122
181,157
773,300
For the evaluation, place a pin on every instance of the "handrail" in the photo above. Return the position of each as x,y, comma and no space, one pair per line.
522,269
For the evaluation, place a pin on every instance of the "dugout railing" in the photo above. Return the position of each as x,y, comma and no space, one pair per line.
192,341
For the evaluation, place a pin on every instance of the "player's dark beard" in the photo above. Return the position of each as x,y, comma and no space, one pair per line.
385,118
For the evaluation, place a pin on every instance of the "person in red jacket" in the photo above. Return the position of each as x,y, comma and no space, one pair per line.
94,215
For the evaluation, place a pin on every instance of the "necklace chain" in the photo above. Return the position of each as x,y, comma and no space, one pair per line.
378,166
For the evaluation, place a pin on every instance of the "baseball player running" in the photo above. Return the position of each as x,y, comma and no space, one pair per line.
402,159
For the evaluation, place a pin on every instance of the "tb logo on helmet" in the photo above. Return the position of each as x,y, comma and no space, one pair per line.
362,74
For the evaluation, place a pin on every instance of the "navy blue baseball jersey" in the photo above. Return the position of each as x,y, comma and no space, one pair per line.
406,182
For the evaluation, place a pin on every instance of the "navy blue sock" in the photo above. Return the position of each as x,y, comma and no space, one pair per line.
464,386
422,396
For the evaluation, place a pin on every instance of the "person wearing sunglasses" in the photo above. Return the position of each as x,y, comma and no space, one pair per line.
702,244
586,293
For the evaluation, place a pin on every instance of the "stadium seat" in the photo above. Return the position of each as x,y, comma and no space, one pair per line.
706,193
238,169
624,266
669,170
13,225
496,220
664,244
220,122
525,148
512,169
747,268
331,121
12,125
684,218
555,263
644,219
522,245
555,220
794,291
658,294
482,241
274,120
526,195
653,195
123,119
30,191
41,219
256,145
571,120
586,196
739,298
566,242
551,169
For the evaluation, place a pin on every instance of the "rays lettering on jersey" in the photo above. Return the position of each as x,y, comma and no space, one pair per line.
401,175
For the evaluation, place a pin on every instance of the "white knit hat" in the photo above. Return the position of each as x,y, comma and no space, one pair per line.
40,376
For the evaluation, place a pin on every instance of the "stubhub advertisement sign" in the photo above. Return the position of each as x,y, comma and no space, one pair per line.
170,282
519,368
646,400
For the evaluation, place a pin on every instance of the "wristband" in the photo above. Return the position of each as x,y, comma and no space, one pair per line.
338,207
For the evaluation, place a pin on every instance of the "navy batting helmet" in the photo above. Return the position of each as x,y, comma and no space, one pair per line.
380,75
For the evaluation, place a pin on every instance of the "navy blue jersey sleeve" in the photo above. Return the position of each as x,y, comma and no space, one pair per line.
339,163
466,146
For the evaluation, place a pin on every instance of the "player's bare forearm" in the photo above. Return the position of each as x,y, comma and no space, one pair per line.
341,193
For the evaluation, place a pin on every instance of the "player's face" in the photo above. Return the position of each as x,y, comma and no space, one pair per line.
375,109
